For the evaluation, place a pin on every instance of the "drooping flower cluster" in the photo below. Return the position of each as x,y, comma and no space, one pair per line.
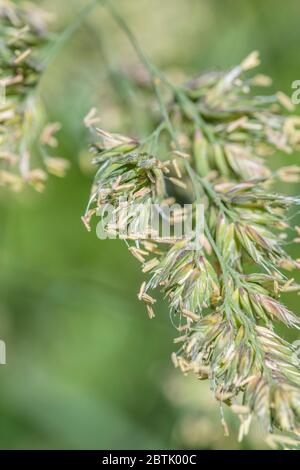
240,129
127,176
253,362
225,294
25,137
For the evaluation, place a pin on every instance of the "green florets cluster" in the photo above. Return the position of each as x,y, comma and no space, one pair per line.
215,138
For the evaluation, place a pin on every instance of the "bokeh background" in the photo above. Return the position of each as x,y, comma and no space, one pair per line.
86,368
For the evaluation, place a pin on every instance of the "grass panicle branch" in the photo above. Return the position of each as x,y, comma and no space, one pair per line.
225,296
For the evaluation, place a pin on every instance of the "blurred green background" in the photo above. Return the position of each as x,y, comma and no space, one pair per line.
85,366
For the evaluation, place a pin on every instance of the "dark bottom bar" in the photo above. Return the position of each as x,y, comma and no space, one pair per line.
134,459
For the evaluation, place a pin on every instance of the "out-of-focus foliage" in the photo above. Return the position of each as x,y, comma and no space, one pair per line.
85,367
25,138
